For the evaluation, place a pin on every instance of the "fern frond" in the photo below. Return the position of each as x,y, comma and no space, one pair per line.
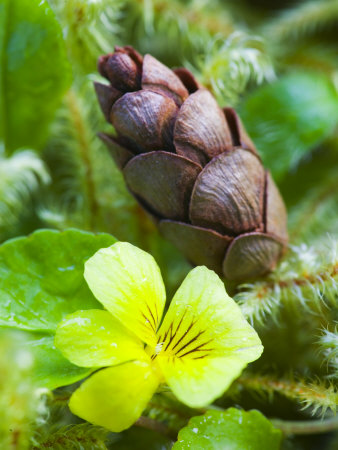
316,396
56,215
328,342
87,191
206,14
21,177
228,66
174,31
305,279
90,28
304,19
69,156
75,437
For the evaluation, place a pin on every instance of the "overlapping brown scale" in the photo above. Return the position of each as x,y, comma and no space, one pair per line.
163,181
200,245
120,154
201,131
251,255
101,64
146,119
228,194
106,96
276,215
134,54
239,135
123,72
159,78
188,79
229,215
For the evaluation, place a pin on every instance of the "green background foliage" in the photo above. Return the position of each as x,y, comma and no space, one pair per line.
290,117
34,72
277,64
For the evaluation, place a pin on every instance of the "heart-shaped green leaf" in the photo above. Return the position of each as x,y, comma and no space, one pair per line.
232,429
42,277
41,282
51,369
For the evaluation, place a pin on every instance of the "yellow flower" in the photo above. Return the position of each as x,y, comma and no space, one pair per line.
201,346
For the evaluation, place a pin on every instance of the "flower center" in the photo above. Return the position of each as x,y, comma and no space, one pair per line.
181,341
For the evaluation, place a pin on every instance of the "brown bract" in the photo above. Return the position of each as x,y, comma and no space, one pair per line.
192,166
146,119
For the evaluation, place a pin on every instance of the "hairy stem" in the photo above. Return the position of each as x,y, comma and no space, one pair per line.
306,426
84,150
314,395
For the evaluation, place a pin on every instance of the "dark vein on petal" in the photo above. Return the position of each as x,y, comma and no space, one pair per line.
178,326
198,349
151,315
151,325
183,336
171,335
156,310
201,357
191,340
165,335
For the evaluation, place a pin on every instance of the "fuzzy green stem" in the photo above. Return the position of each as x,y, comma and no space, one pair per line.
306,426
84,149
313,395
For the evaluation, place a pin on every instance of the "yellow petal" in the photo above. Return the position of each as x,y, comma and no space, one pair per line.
204,342
128,282
94,338
115,397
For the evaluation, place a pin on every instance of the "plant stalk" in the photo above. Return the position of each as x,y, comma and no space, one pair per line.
306,426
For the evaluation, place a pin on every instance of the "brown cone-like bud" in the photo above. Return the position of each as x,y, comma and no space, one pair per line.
192,166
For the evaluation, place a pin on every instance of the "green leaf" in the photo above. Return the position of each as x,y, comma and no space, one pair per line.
232,429
290,117
51,369
34,72
42,277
